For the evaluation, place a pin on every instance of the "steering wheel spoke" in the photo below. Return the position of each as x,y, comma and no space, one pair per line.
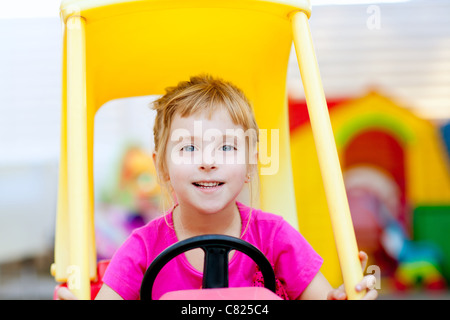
215,269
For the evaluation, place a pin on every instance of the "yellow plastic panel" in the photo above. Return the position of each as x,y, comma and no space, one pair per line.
100,9
142,53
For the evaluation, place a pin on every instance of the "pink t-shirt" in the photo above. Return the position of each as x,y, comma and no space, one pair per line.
294,261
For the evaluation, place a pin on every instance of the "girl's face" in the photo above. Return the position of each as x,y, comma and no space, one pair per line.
206,161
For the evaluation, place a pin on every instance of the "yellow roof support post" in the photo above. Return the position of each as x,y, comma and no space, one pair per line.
75,260
78,136
328,157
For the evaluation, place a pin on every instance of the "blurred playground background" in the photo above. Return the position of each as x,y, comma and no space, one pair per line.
385,67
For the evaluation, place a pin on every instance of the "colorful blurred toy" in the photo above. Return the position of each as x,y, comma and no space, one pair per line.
390,157
129,203
137,189
419,262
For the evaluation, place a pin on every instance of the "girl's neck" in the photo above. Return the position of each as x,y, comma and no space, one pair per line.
189,223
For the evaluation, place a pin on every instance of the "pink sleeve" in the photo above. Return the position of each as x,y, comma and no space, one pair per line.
127,267
296,262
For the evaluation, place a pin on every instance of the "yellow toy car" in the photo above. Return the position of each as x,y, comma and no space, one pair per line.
122,48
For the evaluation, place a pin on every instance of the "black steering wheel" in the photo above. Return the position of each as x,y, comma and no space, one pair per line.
215,268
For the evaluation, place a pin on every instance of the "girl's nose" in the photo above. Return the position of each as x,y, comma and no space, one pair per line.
208,162
207,167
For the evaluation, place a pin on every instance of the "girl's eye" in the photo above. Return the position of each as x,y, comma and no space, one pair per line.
189,148
228,148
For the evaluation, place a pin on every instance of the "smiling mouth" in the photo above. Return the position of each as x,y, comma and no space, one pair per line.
207,185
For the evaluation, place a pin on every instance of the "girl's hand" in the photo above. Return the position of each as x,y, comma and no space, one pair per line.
63,293
105,293
367,283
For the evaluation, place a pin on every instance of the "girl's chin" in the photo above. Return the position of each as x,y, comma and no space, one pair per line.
210,207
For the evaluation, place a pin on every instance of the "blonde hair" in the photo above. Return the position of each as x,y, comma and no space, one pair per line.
202,93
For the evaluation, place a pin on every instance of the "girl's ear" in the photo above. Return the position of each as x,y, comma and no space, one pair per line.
253,156
251,172
154,158
253,164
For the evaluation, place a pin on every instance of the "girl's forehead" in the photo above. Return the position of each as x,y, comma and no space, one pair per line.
219,127
204,120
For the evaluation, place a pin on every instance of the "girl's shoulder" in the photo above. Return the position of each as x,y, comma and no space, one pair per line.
157,231
258,215
260,224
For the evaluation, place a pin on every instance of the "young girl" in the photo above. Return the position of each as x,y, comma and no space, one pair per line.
204,163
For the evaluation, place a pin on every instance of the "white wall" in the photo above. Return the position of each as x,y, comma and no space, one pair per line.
29,134
30,93
400,49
